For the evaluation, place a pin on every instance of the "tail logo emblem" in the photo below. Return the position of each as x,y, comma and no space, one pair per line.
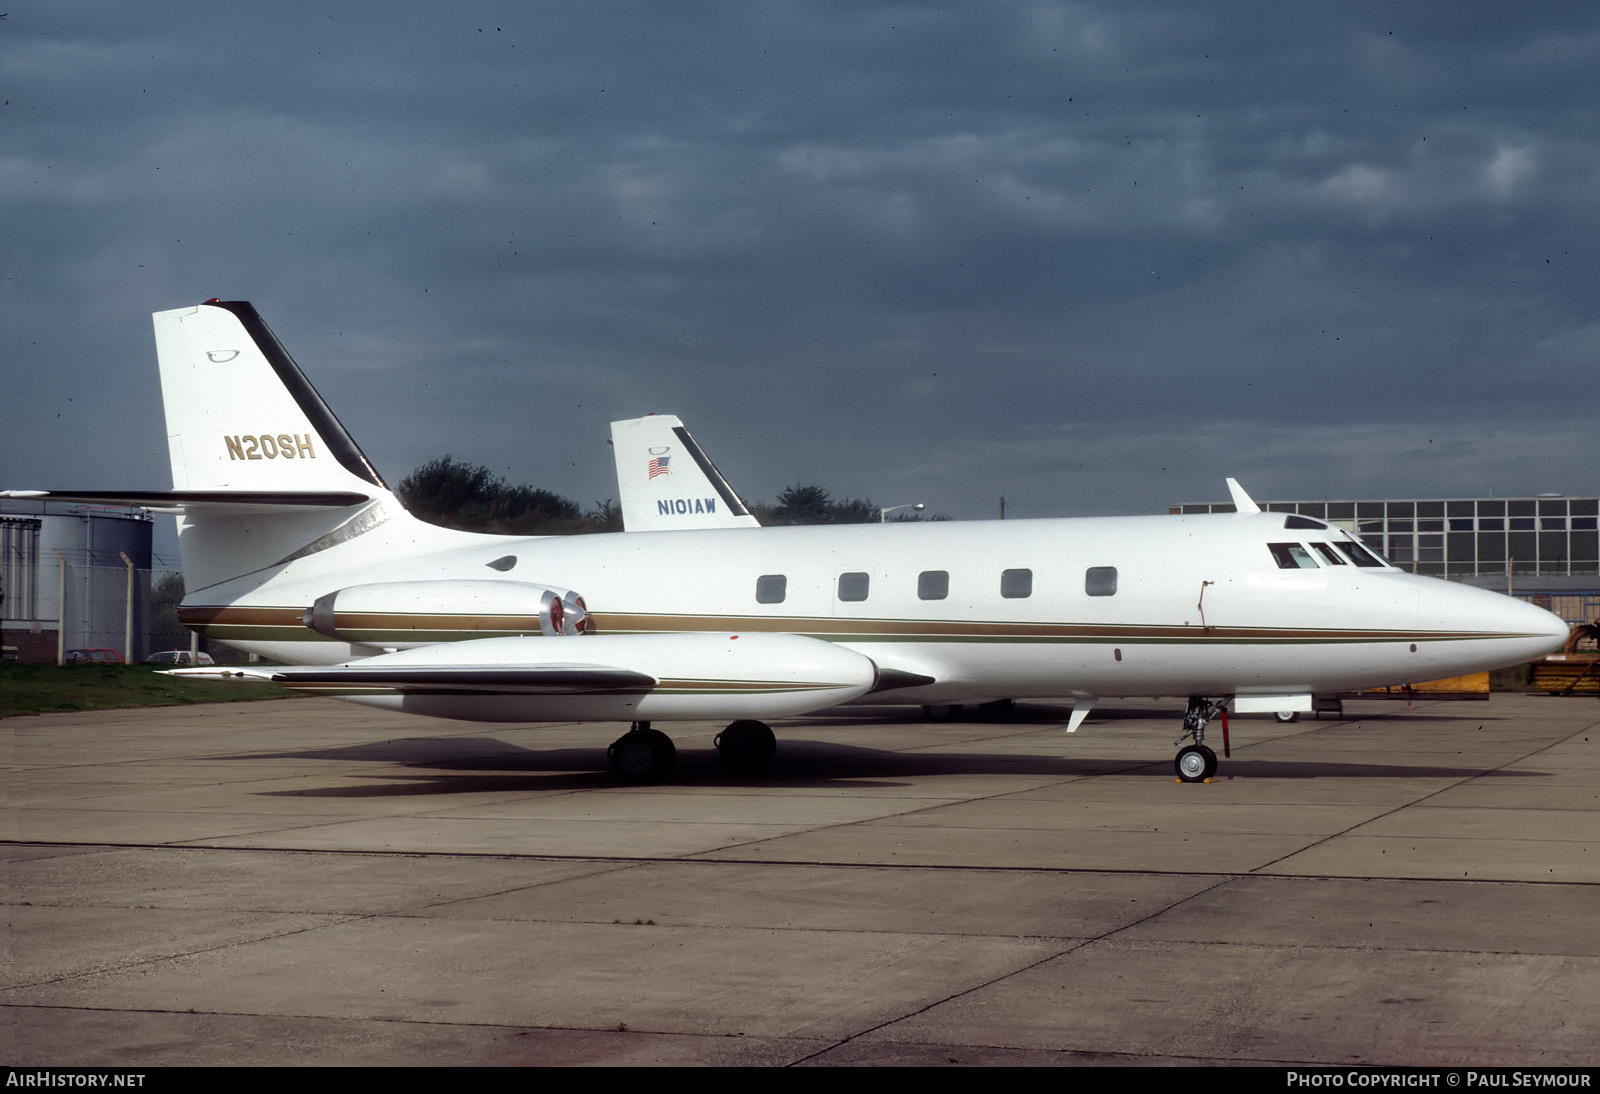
221,356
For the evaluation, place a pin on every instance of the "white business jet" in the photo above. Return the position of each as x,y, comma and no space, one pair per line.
294,548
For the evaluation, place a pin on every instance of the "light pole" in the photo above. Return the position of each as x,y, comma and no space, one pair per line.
883,514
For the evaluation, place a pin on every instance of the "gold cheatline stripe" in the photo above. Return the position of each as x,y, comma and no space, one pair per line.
822,626
236,621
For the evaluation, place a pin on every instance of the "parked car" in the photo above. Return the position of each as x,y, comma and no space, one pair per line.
178,657
96,656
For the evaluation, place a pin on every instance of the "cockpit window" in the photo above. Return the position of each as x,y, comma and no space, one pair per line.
1358,554
1295,520
1292,556
1334,558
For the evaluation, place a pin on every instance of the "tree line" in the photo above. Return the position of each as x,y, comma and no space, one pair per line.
454,494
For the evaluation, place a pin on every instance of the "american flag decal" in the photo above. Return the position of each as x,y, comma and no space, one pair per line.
658,466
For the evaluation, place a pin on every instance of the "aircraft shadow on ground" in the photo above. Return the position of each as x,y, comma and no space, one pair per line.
475,765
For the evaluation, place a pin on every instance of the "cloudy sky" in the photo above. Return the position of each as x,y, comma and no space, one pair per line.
1092,257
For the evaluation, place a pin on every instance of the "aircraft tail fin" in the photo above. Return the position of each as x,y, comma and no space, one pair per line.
666,482
262,470
240,413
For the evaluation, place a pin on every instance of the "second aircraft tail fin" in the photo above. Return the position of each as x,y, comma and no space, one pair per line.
666,482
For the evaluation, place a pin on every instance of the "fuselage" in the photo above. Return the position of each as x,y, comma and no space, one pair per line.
1116,606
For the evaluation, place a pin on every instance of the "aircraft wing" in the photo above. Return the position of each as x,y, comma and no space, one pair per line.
592,678
480,680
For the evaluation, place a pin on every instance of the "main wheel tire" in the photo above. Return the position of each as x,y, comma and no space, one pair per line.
643,755
1195,763
747,745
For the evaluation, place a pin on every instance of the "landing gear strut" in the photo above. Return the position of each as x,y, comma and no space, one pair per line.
747,745
1196,763
642,754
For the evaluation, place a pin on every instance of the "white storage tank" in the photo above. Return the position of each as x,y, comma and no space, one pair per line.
36,540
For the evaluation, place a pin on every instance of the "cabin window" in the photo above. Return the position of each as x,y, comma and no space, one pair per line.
1292,556
853,586
771,588
1016,584
1358,554
1100,581
933,584
1326,551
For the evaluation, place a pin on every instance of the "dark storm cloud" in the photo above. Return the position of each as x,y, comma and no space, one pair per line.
1090,256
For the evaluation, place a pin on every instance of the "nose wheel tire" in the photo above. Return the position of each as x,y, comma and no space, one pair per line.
643,755
1195,764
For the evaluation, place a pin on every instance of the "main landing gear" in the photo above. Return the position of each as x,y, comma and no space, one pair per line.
1196,763
643,755
747,745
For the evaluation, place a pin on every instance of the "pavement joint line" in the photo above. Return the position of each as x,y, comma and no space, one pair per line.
341,918
690,860
1116,1055
601,870
1086,942
1462,781
392,1020
940,1002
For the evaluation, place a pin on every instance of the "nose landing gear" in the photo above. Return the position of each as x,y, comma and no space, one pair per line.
1196,763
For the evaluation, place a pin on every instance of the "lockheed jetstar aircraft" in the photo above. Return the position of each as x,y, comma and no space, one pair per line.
295,549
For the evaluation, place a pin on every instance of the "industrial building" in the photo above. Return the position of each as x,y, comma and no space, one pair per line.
73,577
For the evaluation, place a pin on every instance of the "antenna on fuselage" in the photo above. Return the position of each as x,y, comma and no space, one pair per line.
1241,501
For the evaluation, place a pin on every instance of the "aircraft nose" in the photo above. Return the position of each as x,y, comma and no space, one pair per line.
1534,631
1506,630
1555,628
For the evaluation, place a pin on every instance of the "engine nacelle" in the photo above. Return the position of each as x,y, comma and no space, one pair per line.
404,614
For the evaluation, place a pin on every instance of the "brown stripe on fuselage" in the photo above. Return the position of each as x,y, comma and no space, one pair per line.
1000,630
374,627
